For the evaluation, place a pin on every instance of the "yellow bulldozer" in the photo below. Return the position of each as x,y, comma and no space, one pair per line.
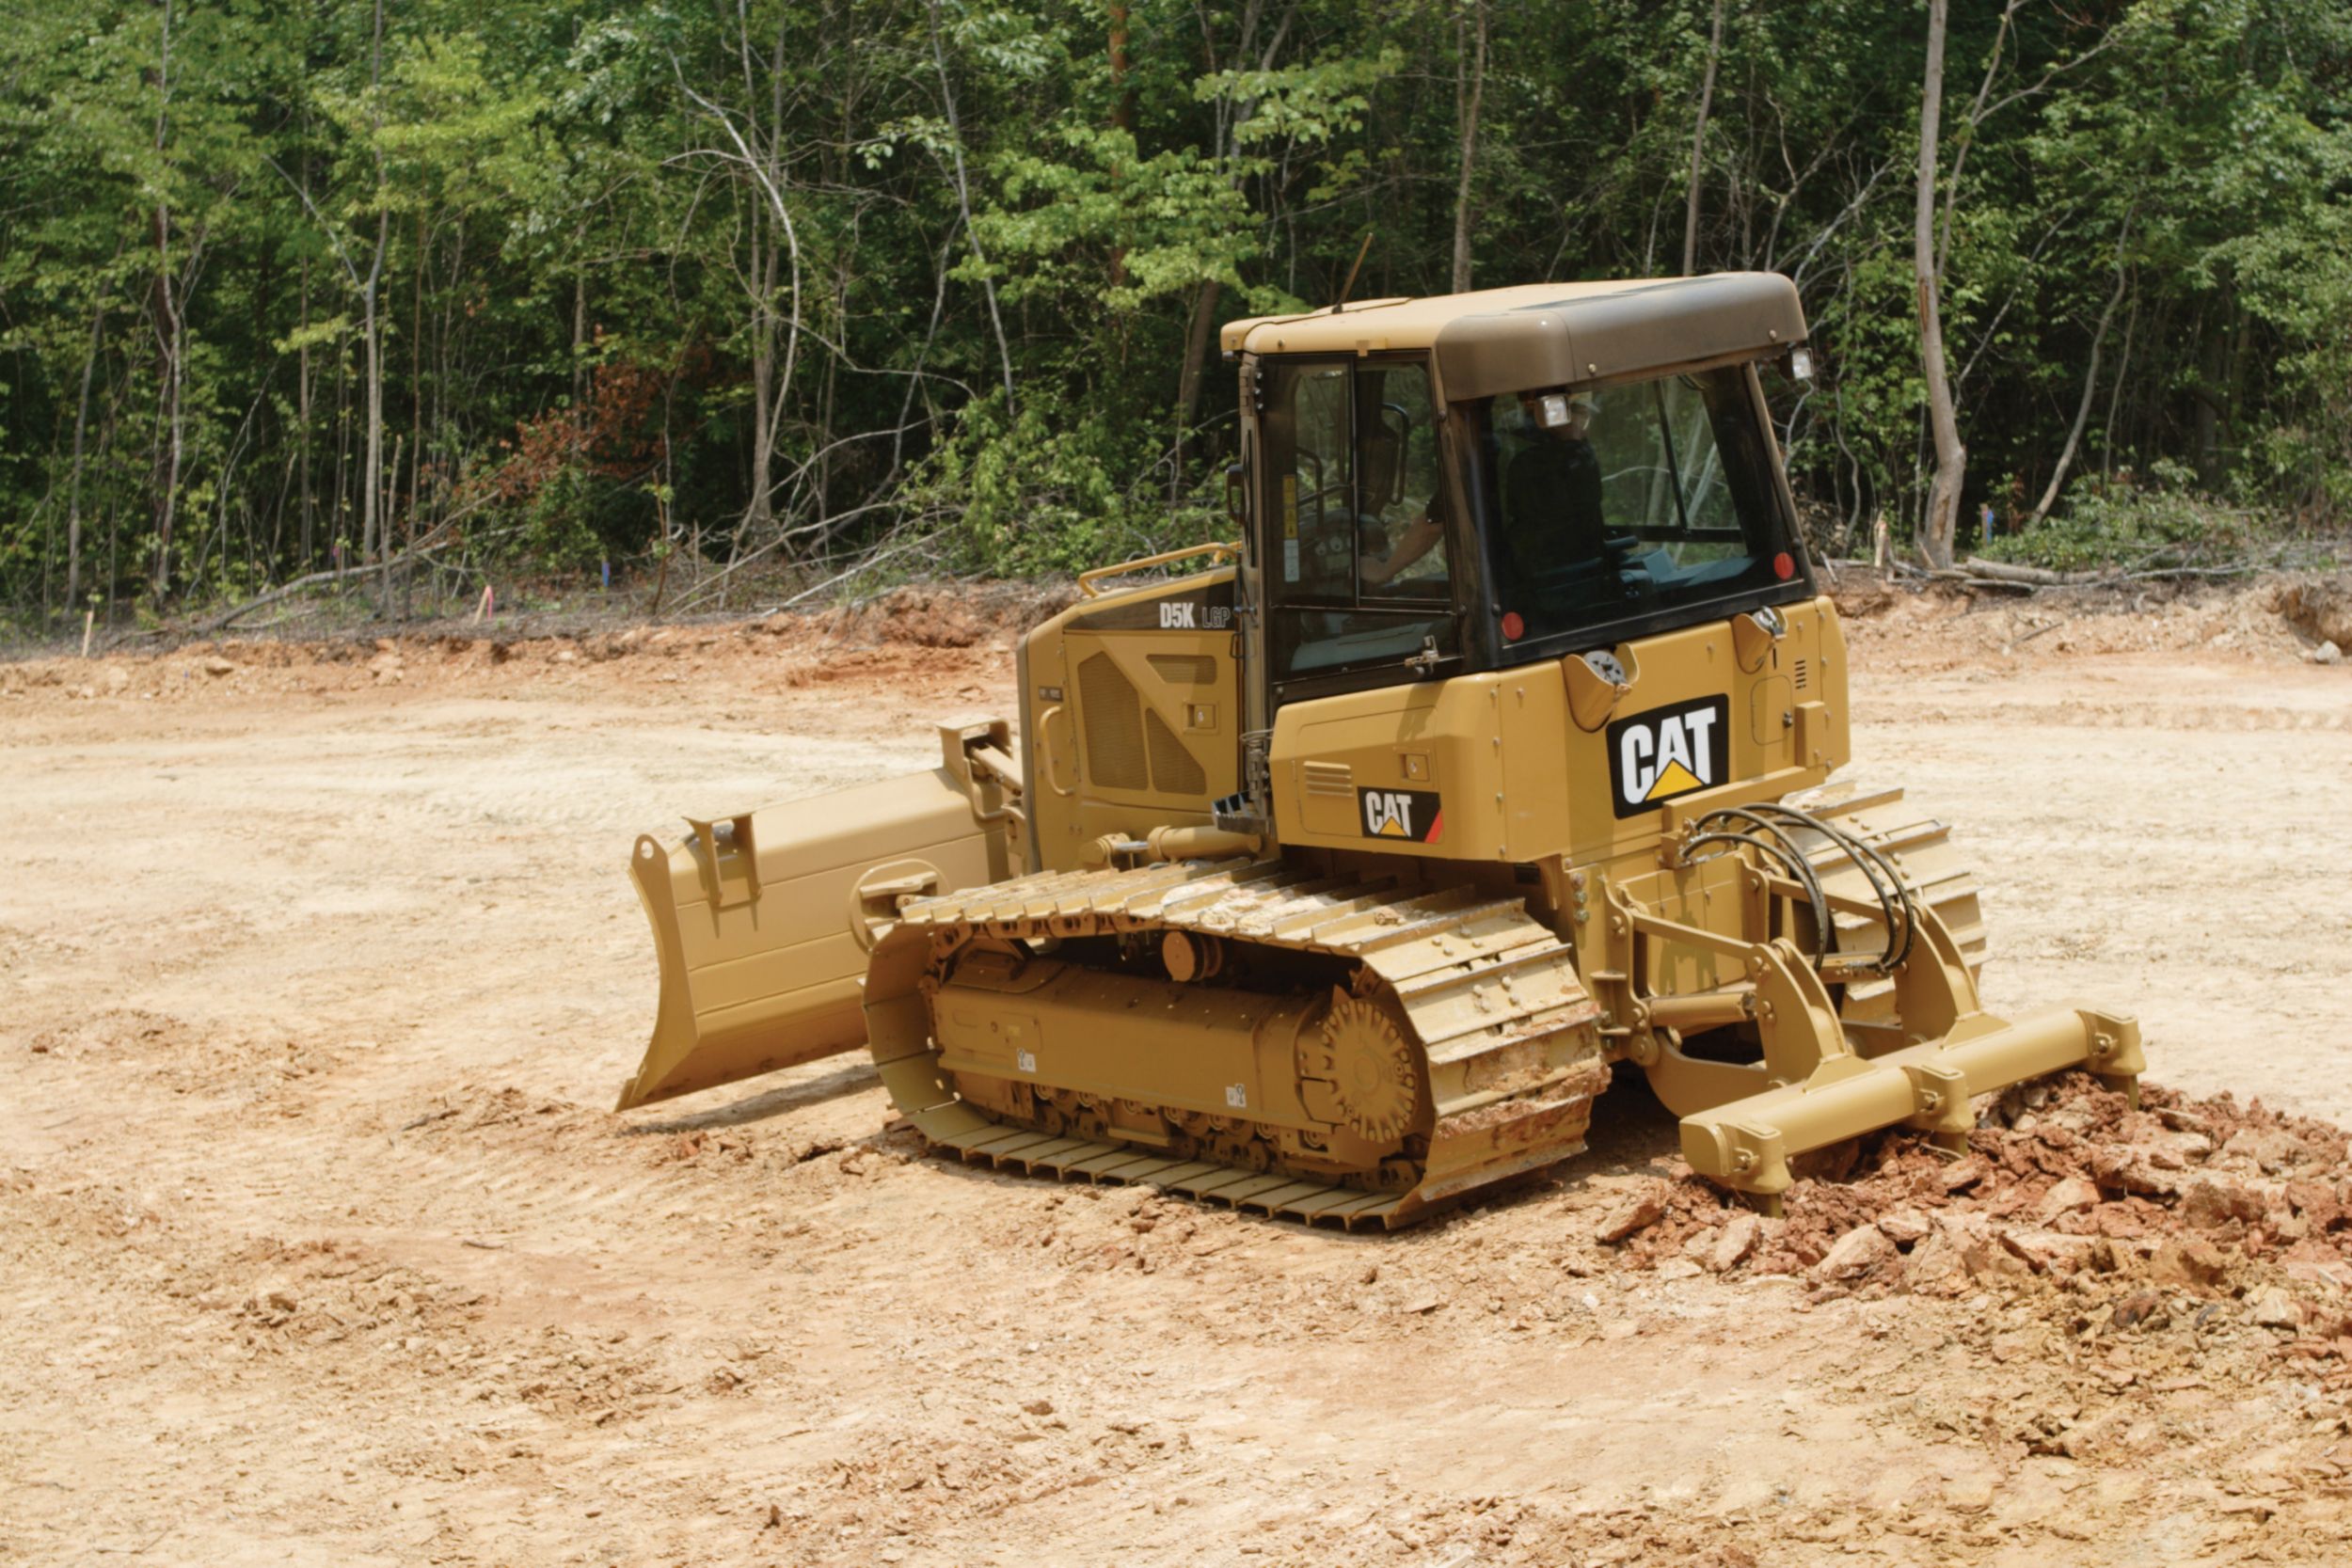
1333,877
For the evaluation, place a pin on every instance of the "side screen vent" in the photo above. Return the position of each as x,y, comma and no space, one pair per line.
1183,668
1174,769
1113,718
1329,778
1802,676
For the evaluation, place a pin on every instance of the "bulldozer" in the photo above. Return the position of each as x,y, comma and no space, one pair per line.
1340,868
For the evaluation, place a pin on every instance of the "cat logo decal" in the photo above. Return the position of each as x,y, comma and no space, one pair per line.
1668,751
1415,814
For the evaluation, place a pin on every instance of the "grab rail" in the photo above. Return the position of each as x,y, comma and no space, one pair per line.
1088,578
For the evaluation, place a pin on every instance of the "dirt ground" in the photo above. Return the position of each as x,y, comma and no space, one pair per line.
318,1245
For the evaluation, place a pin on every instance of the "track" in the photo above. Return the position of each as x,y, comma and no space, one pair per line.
1502,1029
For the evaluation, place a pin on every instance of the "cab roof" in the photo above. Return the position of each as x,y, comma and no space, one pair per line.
1538,335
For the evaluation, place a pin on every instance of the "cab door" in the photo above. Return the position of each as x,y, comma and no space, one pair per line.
1358,537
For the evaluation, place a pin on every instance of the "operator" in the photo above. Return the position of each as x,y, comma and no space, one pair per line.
1552,501
1382,555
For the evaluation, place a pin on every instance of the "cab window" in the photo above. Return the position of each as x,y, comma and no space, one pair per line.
1654,495
1356,563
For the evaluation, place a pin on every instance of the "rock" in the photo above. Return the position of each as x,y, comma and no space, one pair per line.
1039,1406
2319,607
1968,1493
1936,1267
115,677
2130,1169
2210,1205
1905,1227
2188,1260
2335,1277
2069,1197
2140,1308
2326,652
1966,1174
1858,1254
1678,1268
216,665
1734,1242
1637,1213
2271,1149
2272,1307
2048,1251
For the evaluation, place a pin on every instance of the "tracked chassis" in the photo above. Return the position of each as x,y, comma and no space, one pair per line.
1344,1049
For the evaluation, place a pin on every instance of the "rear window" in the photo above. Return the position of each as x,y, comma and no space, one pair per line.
1620,503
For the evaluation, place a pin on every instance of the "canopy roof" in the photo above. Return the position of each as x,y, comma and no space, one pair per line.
1551,334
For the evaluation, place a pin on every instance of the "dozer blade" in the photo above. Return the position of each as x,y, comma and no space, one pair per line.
763,921
1747,1144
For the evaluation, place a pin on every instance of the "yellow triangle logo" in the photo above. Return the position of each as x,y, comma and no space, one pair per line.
1391,829
1674,779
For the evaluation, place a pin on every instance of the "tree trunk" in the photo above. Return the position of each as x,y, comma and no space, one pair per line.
1122,114
757,515
168,333
1197,338
416,417
579,334
2090,386
1951,457
373,533
963,202
1470,89
74,484
1698,142
302,403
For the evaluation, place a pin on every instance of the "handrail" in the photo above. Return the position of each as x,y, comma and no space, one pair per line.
1086,579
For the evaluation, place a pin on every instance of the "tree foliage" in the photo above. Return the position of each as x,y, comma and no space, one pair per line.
784,278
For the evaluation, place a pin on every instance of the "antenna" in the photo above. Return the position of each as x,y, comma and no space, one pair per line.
1349,287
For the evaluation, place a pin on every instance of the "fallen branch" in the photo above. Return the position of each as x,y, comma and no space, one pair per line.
2040,577
863,564
430,543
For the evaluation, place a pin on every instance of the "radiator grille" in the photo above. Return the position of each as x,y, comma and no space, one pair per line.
1802,675
1185,669
1174,769
1113,718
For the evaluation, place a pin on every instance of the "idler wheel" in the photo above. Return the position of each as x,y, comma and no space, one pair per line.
1370,1067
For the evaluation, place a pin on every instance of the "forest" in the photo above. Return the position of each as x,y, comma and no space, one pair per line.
393,297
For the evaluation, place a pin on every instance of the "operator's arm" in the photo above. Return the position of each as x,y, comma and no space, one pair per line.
1420,534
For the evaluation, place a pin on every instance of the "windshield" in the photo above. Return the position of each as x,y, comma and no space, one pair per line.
1610,505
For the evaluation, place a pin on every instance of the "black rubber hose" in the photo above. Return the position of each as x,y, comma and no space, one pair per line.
1895,897
1792,863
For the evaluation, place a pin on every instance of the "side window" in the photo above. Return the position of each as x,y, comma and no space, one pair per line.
1357,550
1317,504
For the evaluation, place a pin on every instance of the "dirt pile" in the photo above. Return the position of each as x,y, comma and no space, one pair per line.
2200,1209
2318,607
1907,624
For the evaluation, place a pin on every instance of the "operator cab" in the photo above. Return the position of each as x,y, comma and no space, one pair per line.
1478,480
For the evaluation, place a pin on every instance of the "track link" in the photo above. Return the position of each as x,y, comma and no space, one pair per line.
1502,1030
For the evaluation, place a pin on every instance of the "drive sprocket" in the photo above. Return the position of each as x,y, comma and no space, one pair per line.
1365,1060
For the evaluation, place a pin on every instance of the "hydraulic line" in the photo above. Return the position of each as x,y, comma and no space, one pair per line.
1788,857
1894,894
